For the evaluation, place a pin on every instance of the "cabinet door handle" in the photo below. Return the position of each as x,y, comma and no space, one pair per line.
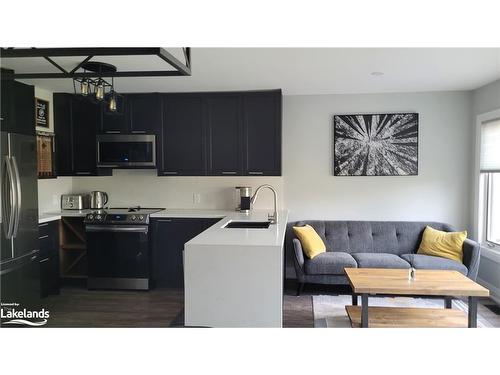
43,237
84,173
112,131
256,172
138,131
44,260
229,172
165,220
170,172
43,225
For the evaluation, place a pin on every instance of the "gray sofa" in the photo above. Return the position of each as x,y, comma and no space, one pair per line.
373,244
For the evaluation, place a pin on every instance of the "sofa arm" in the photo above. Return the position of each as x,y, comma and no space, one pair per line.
472,255
298,259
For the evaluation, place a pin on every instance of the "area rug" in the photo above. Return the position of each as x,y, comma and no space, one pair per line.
329,311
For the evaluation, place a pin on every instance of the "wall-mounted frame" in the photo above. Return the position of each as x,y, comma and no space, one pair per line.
46,155
42,113
375,144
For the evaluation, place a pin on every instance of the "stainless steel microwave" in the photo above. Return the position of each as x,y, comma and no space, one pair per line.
126,151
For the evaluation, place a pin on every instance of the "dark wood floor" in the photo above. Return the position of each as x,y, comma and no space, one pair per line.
78,307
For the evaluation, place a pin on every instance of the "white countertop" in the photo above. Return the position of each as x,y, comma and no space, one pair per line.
191,213
56,215
218,235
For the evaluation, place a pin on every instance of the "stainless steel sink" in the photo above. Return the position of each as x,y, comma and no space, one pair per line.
248,224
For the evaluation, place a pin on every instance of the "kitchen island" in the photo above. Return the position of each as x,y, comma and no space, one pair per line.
234,276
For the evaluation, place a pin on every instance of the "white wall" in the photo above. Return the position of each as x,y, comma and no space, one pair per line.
145,188
440,192
487,99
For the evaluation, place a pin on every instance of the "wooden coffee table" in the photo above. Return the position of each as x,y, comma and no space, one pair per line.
441,283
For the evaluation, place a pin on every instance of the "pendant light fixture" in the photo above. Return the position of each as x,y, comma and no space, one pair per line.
97,89
84,87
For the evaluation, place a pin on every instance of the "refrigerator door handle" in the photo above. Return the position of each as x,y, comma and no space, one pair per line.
9,198
17,186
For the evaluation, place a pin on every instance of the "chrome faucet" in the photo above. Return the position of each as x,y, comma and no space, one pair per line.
274,217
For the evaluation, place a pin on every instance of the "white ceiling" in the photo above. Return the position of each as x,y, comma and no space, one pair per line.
314,70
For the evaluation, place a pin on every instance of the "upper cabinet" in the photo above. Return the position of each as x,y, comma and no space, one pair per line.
183,150
137,114
76,121
262,133
145,113
197,134
118,122
17,107
221,134
224,131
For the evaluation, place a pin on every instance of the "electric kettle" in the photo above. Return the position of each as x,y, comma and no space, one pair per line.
98,199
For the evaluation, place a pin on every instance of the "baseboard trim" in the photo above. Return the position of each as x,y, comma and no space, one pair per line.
494,291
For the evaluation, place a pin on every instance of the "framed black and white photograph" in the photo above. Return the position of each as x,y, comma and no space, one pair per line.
41,113
376,144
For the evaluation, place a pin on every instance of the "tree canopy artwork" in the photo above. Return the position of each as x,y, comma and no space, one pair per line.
376,145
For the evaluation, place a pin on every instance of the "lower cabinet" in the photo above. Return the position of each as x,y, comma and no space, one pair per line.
49,258
167,245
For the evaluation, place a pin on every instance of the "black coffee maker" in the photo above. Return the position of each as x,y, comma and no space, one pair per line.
245,196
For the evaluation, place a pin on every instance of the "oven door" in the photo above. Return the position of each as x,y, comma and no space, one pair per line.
117,257
126,151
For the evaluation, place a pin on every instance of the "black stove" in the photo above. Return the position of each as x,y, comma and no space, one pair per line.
118,248
120,215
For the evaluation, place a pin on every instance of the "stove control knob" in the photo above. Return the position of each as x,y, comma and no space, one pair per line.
141,217
91,217
133,217
98,217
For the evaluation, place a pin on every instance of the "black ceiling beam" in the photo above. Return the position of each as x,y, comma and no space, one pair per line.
80,65
77,51
134,73
172,60
182,69
55,64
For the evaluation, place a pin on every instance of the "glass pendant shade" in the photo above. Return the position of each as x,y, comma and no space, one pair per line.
99,92
112,102
84,87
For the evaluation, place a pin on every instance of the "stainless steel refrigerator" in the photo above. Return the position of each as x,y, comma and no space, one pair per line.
19,268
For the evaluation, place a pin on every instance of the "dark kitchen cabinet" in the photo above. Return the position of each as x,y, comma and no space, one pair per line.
145,113
86,118
136,114
224,133
117,122
167,245
49,258
76,121
262,133
17,107
183,146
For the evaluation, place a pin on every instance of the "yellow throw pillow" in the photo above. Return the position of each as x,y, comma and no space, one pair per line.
442,244
311,242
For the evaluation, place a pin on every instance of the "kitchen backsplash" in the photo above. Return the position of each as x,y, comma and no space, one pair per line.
145,188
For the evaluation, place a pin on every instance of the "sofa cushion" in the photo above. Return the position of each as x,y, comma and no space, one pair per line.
442,244
427,262
379,260
312,244
329,263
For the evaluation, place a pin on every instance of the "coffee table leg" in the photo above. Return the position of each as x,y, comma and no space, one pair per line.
364,310
354,299
472,312
447,302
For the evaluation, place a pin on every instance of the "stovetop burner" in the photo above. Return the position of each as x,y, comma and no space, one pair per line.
120,215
